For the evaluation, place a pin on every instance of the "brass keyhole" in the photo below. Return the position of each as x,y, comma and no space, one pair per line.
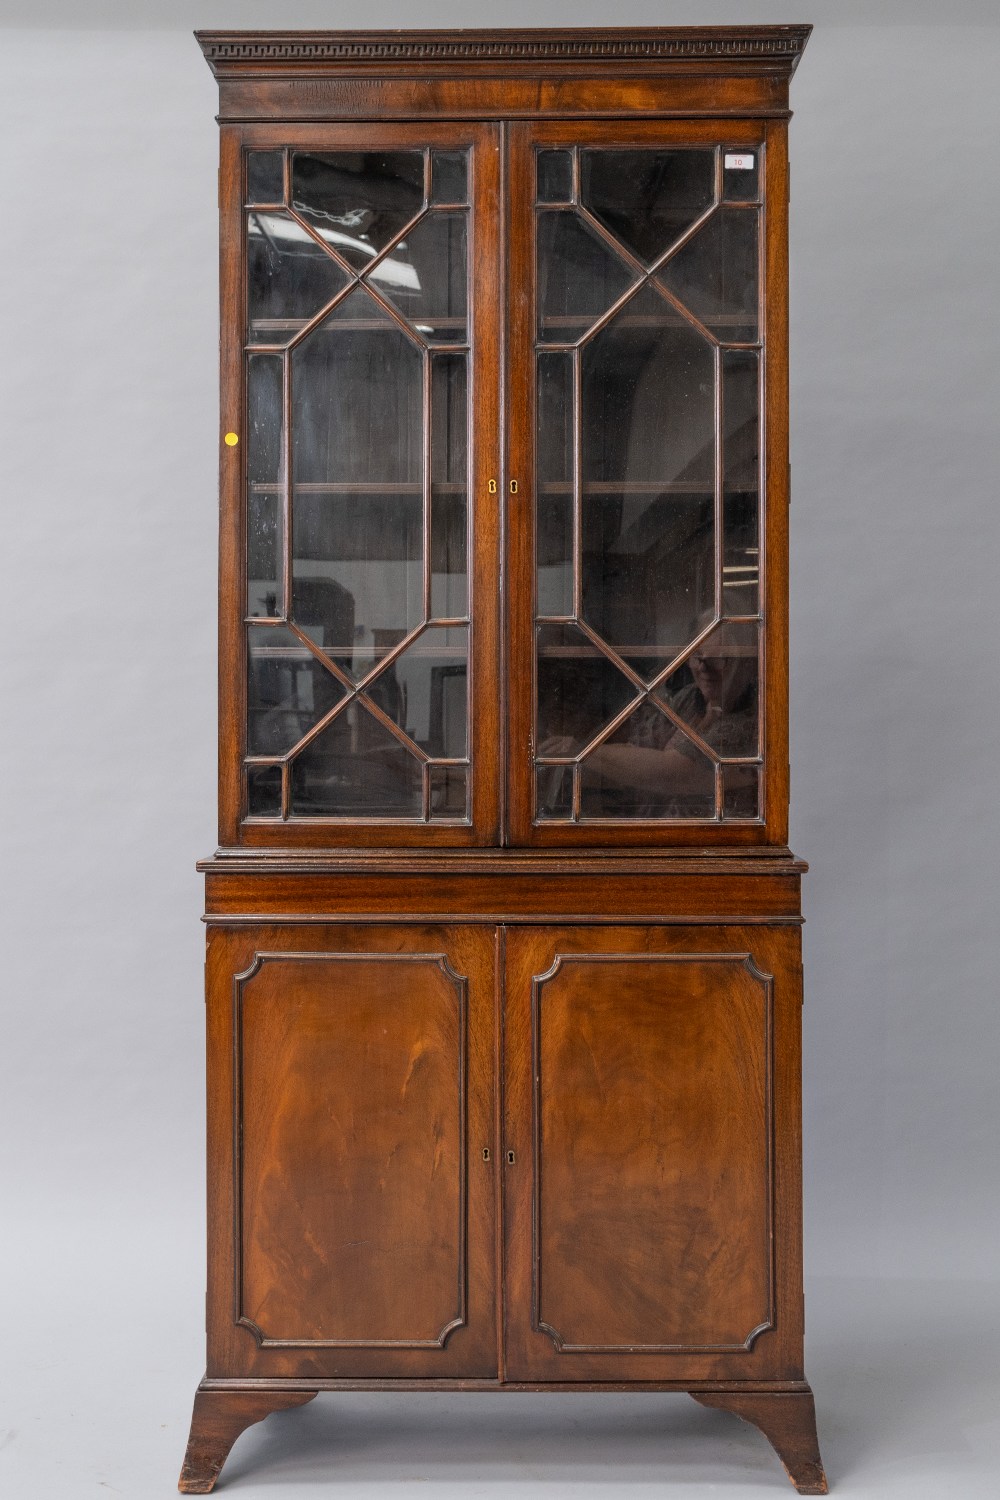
486,1153
511,1157
513,486
492,486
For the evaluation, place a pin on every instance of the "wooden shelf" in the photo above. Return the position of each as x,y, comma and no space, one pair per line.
694,487
383,324
362,487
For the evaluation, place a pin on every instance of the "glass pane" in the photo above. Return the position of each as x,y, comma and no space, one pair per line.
357,530
356,768
449,792
263,554
289,278
554,793
579,691
288,690
265,177
449,172
449,482
740,174
579,277
426,276
358,572
647,769
647,198
741,479
716,693
264,385
741,791
648,454
715,274
429,691
357,400
358,201
264,791
554,501
264,472
555,177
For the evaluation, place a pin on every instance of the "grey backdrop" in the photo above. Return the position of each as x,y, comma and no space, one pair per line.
109,431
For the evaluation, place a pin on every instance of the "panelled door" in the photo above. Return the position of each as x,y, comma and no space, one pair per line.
360,564
646,501
351,1132
650,1228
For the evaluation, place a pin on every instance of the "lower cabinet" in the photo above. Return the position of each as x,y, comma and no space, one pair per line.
528,1154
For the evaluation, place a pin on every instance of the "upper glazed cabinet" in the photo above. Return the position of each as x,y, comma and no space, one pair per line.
505,483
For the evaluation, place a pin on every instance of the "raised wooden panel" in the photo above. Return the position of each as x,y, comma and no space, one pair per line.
359,1102
652,1115
642,1215
350,1118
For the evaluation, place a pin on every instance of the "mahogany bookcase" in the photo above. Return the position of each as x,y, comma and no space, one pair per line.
504,979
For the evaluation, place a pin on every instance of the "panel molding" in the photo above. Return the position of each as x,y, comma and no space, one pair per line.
459,983
765,980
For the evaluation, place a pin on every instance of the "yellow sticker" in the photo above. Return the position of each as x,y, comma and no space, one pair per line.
232,439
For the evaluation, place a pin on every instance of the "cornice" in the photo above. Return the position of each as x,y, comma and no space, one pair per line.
240,51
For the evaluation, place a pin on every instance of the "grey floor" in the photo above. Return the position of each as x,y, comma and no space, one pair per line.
101,1356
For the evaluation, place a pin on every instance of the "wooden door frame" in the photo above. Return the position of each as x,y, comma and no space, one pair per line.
519,407
483,140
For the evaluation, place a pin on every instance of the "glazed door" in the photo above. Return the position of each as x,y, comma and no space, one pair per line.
648,484
351,1135
359,479
650,1079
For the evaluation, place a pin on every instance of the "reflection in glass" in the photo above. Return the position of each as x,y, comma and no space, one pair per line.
265,176
715,274
555,177
647,198
433,679
449,173
579,690
741,470
358,201
289,277
434,295
647,769
356,768
288,690
715,692
579,276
